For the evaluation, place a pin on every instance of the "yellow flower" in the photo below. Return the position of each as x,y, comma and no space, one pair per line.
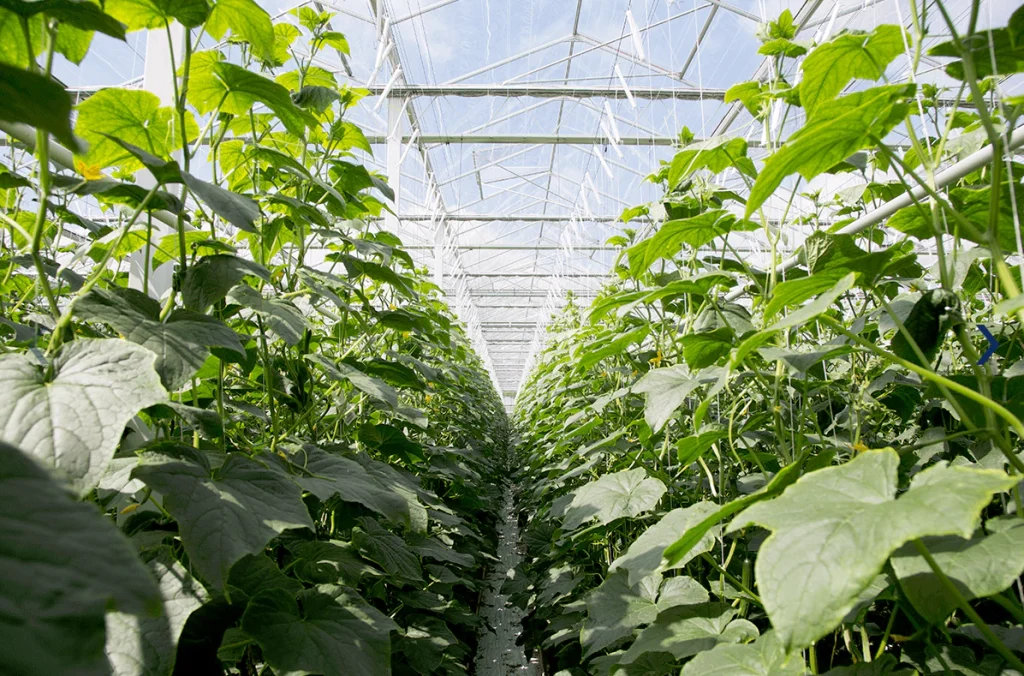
860,447
91,172
656,360
129,509
428,398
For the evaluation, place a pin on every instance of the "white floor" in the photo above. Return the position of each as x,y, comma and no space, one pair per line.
498,654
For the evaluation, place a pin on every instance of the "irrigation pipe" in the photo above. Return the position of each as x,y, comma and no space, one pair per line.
972,162
65,158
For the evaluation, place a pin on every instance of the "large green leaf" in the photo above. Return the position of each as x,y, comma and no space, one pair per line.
613,496
327,474
644,556
131,115
282,316
181,344
224,513
688,630
141,14
138,646
374,387
325,630
834,529
209,280
80,14
695,535
998,52
694,232
831,66
980,566
615,608
62,564
216,82
764,657
715,154
70,415
839,129
666,388
37,100
247,20
386,549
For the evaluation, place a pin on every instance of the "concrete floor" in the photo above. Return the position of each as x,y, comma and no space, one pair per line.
498,654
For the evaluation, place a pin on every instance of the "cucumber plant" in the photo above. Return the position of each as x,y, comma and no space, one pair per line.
286,461
806,468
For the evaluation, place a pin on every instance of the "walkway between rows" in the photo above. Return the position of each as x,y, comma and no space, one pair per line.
498,654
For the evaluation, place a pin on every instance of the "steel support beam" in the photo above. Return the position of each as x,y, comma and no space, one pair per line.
543,91
531,139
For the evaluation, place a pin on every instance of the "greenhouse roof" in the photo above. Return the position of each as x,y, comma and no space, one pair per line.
515,134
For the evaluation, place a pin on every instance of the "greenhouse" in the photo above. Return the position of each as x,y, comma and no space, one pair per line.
588,337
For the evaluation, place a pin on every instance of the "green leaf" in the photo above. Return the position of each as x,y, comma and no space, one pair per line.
834,529
994,52
316,97
142,14
839,129
347,136
181,344
666,388
782,46
81,14
387,550
694,232
764,657
374,387
222,514
701,350
133,116
795,291
327,474
831,66
283,318
238,210
593,353
62,564
644,556
209,280
322,562
979,567
615,608
325,630
247,20
688,630
216,82
36,100
138,646
71,414
928,324
800,317
681,550
715,154
613,496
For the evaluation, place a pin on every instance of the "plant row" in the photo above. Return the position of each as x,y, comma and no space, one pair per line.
812,467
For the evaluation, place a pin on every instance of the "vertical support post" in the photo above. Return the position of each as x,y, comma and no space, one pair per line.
157,78
440,236
394,160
